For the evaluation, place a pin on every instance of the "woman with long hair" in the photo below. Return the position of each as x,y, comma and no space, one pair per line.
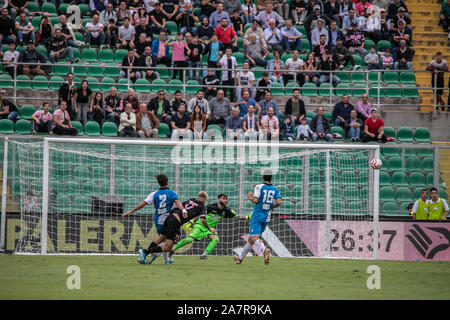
311,66
97,109
198,123
81,101
249,11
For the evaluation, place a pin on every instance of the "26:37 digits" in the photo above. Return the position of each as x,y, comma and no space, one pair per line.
349,240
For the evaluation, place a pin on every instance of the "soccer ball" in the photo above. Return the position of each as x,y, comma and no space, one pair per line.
376,163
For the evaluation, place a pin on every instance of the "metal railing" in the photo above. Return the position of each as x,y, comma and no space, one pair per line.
370,85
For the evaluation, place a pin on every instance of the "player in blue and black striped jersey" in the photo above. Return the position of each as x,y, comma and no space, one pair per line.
265,197
163,200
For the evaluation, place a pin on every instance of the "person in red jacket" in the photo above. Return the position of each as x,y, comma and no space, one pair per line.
226,34
374,128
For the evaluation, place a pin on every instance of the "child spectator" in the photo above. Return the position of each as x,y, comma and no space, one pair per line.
179,54
287,129
372,59
387,61
303,130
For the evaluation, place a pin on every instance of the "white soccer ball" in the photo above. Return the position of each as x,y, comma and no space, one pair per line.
376,163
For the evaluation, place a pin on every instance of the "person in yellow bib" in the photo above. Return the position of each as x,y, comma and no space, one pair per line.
437,207
420,208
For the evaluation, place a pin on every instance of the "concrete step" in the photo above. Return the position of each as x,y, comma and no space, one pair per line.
423,2
433,15
430,36
426,28
423,7
425,21
431,44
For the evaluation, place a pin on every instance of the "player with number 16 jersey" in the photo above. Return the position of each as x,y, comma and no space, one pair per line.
266,194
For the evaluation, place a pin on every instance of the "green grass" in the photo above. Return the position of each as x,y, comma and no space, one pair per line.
117,277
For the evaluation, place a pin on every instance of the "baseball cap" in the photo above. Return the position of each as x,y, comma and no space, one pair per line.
373,109
401,9
316,7
382,10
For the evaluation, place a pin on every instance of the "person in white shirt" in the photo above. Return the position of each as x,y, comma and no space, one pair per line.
127,34
107,14
94,32
273,36
295,65
250,124
127,122
11,56
229,65
199,100
304,132
245,80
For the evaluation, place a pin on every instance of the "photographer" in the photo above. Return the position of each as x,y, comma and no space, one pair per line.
186,20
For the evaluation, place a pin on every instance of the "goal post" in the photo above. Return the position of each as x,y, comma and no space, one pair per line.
82,185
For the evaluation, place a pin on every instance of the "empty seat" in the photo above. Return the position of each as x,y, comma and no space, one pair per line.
405,134
403,194
416,179
399,178
422,134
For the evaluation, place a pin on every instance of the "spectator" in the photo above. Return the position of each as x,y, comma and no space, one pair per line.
245,80
160,106
181,124
401,33
266,104
141,44
320,126
233,126
215,20
403,57
8,110
353,127
94,32
127,125
310,67
144,28
198,123
355,41
342,56
195,58
161,51
113,106
374,128
229,65
158,19
262,85
273,36
250,124
180,49
226,34
146,123
311,21
7,28
42,120
62,125
245,102
419,209
444,17
276,67
295,107
295,65
367,24
205,32
66,31
122,13
112,35
384,30
146,60
18,7
341,112
187,20
211,81
437,207
232,5
348,21
249,11
361,6
66,92
298,11
282,7
372,59
207,7
58,48
12,55
25,30
174,104
140,14
270,127
97,109
127,35
287,129
214,49
317,33
401,15
199,100
255,53
291,37
30,56
170,8
387,61
304,132
344,11
97,6
334,34
438,67
107,14
44,33
237,24
331,10
256,30
265,16
329,64
382,4
320,50
363,107
394,7
132,99
220,108
82,101
129,67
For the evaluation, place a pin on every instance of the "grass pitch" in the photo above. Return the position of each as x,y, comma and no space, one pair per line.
116,277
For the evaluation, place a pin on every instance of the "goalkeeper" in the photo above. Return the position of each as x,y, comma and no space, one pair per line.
204,227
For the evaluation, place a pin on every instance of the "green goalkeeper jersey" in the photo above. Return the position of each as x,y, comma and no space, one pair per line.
214,215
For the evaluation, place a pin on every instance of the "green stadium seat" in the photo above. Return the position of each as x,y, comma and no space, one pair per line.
382,45
343,76
89,55
163,130
428,164
306,45
373,77
410,91
413,163
405,134
92,128
89,188
285,56
430,180
23,127
163,72
123,85
309,89
79,127
395,164
55,82
6,82
120,54
289,90
407,77
399,178
23,82
390,77
296,192
26,112
93,83
359,89
389,132
40,83
172,27
316,192
79,69
358,77
276,89
81,173
158,84
106,56
373,91
386,194
324,90
339,130
109,129
82,204
174,85
416,179
142,85
86,20
422,134
33,7
385,178
240,58
351,193
368,44
358,60
389,208
192,86
302,30
49,8
95,70
342,89
99,173
112,72
71,188
318,207
79,36
107,83
403,194
393,91
84,8
125,189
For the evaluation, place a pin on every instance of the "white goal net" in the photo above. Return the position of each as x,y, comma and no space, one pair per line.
73,193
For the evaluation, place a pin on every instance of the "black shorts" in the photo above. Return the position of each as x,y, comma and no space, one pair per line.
171,227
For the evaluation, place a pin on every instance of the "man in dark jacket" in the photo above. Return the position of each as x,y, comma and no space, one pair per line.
295,107
403,57
341,112
160,106
66,92
30,56
130,60
320,126
329,64
7,28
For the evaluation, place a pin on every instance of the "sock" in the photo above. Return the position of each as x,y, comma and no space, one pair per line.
211,246
183,242
155,249
260,245
162,244
166,256
245,251
152,245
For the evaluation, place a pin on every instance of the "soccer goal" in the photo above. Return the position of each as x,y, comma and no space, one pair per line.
73,192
